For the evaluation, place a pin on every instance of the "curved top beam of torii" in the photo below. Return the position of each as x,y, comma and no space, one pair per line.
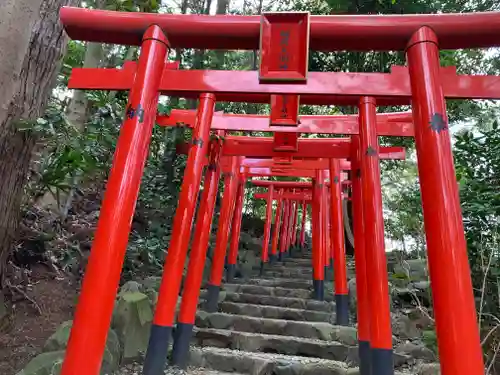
388,124
328,33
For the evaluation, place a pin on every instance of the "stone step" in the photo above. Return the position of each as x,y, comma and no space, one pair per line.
291,267
135,368
296,303
275,312
258,342
313,330
262,363
288,275
280,275
303,262
286,265
274,291
267,290
304,255
283,282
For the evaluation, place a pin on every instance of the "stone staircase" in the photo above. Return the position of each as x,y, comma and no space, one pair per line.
269,325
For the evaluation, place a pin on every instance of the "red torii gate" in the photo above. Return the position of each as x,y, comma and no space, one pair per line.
311,150
337,232
248,170
304,197
424,82
320,236
246,164
292,198
283,192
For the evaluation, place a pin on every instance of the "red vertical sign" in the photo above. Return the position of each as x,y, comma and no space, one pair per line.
284,46
286,142
284,110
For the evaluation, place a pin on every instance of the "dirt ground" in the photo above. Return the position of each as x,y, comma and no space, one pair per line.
27,330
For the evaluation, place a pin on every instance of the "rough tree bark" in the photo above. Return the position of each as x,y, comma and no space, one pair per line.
31,45
222,8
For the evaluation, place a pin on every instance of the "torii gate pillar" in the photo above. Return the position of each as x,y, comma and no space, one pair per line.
232,258
318,252
363,305
302,238
267,229
338,244
376,268
452,294
163,321
226,214
276,229
197,257
91,323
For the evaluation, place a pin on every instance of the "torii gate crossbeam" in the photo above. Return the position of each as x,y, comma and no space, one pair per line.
328,33
321,88
388,124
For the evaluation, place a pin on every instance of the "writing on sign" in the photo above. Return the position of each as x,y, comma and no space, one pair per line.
284,49
284,109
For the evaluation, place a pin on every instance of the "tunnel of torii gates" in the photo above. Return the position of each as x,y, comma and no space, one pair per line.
284,41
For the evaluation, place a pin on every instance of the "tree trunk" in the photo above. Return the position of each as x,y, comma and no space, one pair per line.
222,8
31,45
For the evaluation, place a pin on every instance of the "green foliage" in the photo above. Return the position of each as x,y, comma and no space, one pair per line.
477,164
430,340
477,158
404,217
